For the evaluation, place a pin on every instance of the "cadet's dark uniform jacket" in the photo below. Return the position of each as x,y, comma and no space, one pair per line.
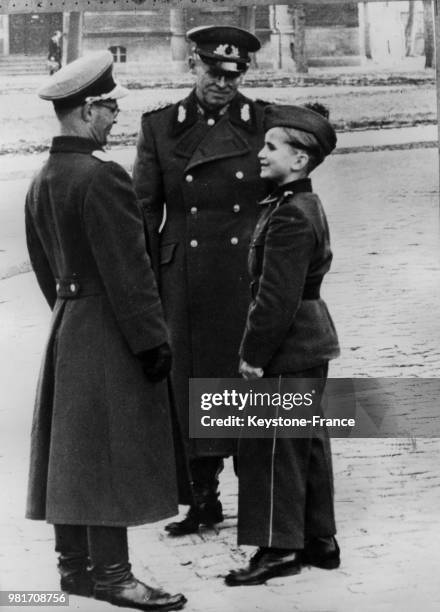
289,327
286,485
102,450
197,178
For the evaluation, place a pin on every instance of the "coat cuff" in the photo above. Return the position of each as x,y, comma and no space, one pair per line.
145,330
255,351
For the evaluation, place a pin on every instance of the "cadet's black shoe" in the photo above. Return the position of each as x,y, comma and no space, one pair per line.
265,564
117,585
322,552
204,514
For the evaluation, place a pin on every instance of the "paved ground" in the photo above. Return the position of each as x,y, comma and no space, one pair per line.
384,292
27,122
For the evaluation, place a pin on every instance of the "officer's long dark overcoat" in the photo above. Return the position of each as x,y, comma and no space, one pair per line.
198,182
101,448
286,485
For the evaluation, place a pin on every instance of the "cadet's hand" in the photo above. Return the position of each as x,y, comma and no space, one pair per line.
156,362
249,372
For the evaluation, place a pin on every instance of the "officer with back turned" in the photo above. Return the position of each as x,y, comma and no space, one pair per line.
102,427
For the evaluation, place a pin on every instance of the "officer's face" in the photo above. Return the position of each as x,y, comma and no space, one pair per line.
102,118
279,161
215,88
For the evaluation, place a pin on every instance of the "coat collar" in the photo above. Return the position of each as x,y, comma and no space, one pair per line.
287,190
201,143
73,144
222,141
240,112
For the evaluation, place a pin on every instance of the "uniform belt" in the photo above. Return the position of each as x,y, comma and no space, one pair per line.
75,288
310,292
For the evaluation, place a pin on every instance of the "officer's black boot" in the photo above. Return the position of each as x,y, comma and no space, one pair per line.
75,575
113,579
207,512
73,561
207,509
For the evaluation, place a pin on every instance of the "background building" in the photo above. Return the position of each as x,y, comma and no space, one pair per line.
154,40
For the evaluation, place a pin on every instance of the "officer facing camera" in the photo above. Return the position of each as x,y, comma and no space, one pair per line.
196,175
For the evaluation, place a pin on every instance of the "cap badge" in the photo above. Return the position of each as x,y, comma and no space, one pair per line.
227,50
181,114
245,113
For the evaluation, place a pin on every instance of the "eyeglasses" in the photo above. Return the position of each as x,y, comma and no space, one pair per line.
111,107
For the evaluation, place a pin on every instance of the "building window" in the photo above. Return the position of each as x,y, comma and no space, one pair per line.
119,54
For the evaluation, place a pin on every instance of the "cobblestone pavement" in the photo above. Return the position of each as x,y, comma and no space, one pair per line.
383,291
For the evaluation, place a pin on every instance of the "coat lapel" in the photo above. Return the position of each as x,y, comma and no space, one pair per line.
201,143
191,139
220,142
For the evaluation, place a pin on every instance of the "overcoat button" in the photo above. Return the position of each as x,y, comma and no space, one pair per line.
189,178
193,210
239,174
194,243
234,240
210,121
236,207
72,288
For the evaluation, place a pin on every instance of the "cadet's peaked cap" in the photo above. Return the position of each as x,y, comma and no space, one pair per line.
226,47
88,79
303,119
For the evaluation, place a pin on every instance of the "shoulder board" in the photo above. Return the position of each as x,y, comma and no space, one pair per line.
101,155
155,109
263,102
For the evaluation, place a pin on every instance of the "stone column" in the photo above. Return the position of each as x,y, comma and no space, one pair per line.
4,35
179,47
364,32
246,20
386,30
281,37
299,38
65,37
74,36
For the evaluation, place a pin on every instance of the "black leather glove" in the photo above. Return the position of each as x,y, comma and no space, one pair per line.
156,362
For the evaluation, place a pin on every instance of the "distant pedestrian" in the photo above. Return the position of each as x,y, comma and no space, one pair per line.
102,443
55,52
286,484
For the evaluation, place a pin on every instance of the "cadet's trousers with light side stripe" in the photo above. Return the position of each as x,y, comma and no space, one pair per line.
286,484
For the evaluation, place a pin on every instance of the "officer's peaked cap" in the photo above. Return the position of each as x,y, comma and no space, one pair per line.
89,78
302,119
226,47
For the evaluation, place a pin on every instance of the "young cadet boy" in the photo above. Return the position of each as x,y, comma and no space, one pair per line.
286,484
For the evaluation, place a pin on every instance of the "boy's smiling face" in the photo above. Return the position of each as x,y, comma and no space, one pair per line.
281,162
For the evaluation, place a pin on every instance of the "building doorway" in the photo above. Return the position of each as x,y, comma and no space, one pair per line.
29,33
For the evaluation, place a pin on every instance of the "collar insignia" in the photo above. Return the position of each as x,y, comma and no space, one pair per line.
181,114
245,113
